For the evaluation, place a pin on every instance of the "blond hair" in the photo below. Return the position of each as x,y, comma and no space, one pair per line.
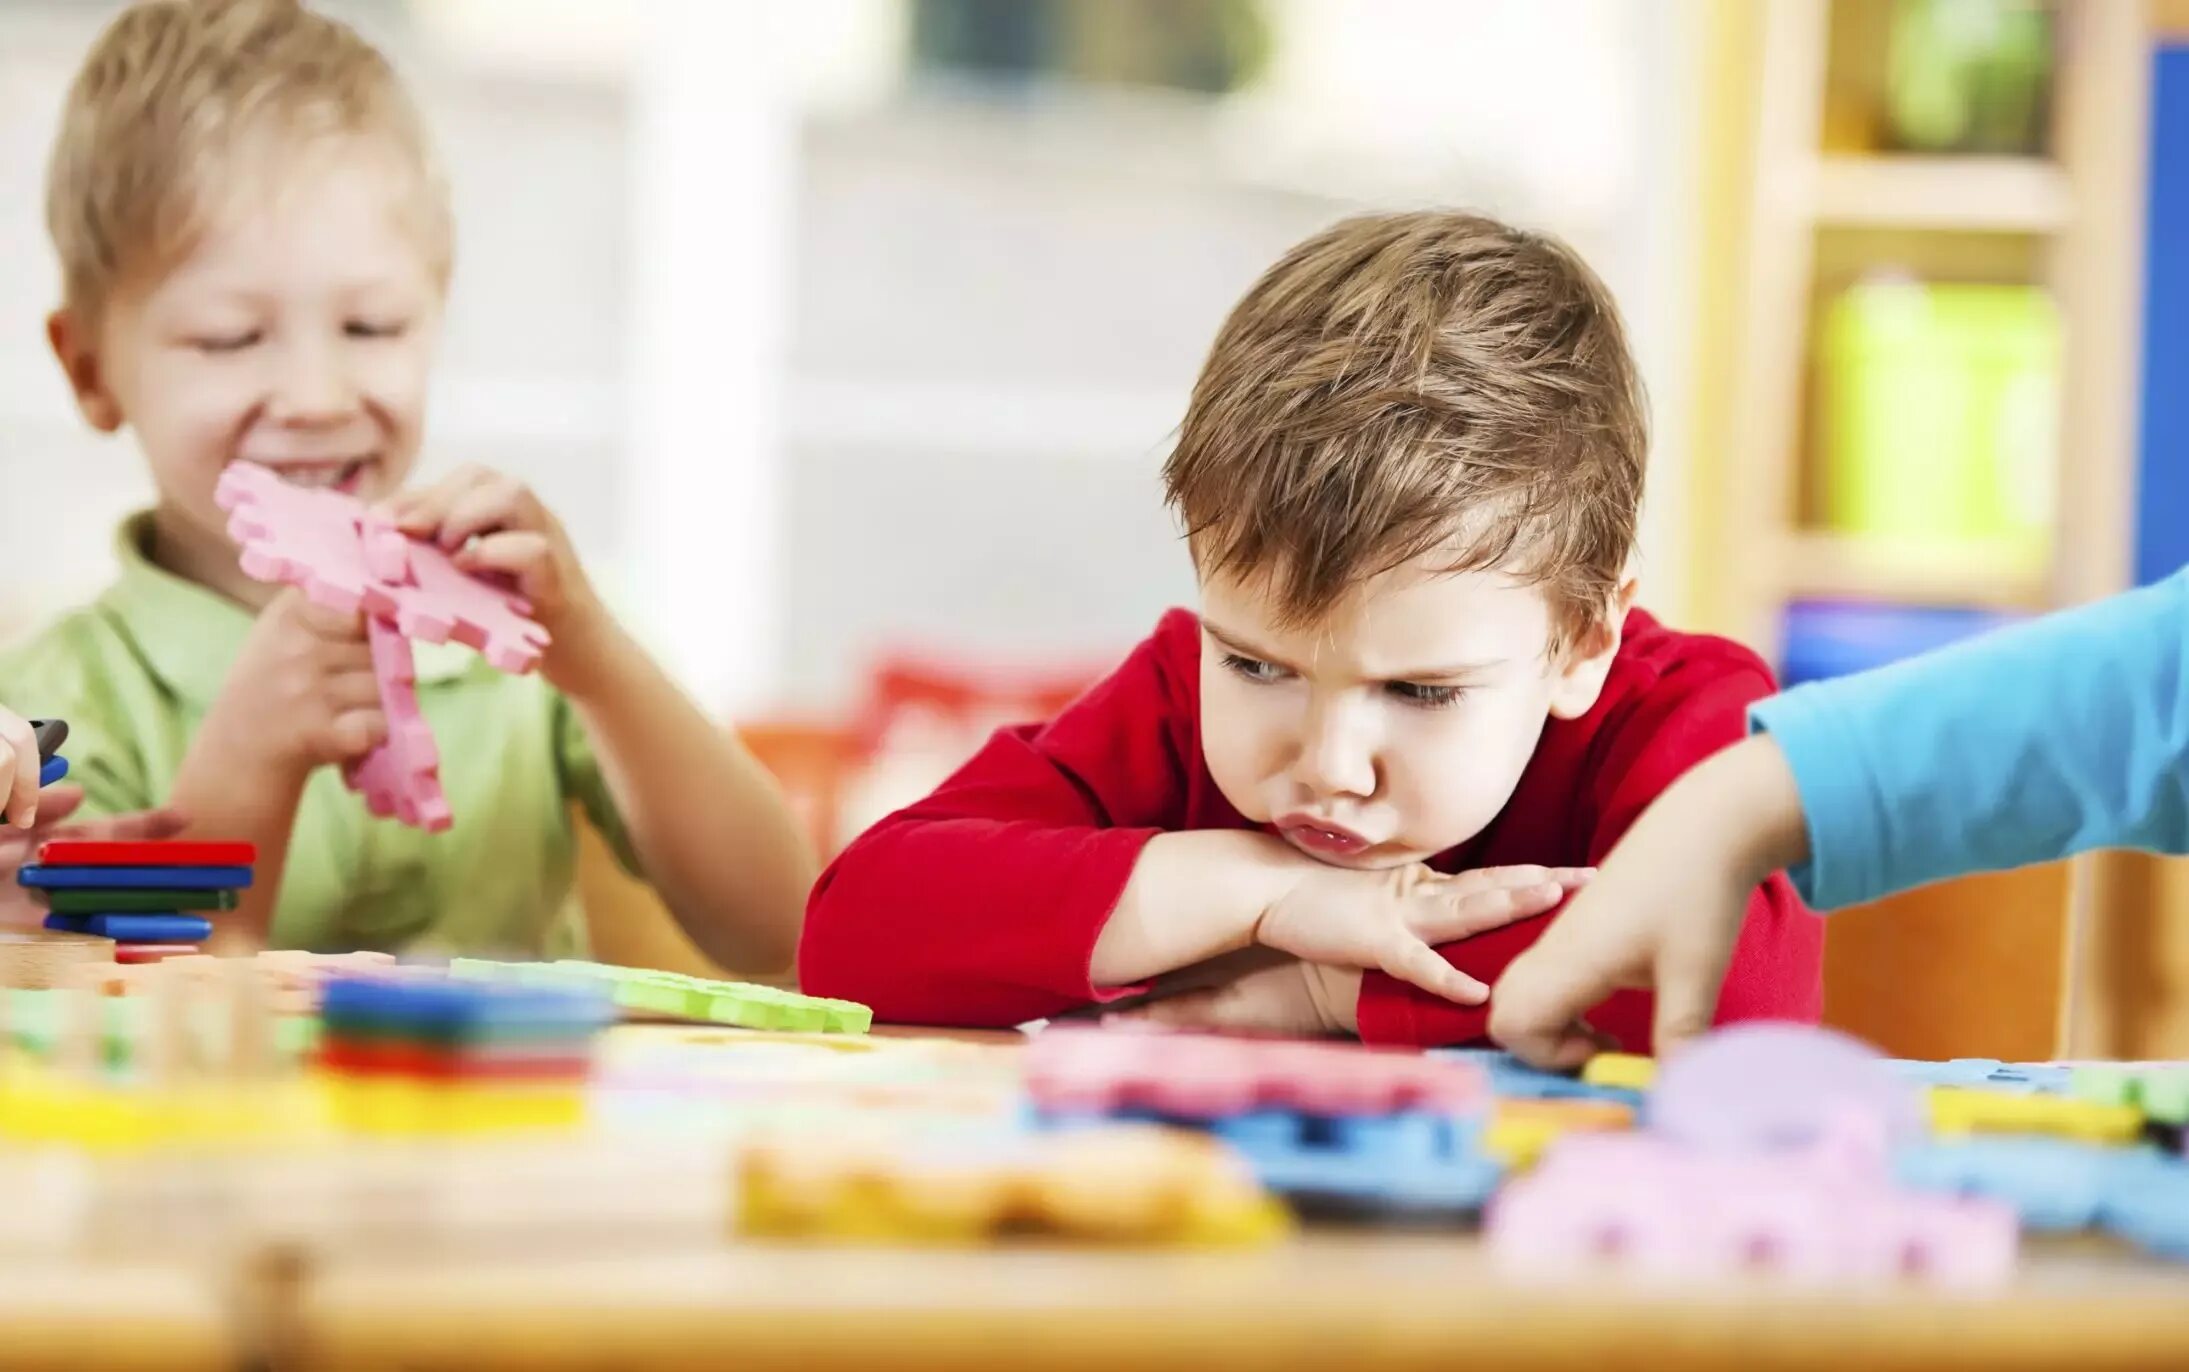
177,97
1407,384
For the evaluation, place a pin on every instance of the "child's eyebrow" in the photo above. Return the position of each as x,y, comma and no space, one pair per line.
1239,645
1455,672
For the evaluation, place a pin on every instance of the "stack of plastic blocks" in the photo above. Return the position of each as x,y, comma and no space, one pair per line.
1118,1184
1768,1149
1325,1125
150,897
430,1053
641,993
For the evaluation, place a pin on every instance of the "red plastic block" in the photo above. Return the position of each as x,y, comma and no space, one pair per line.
145,853
130,954
405,1059
1198,1076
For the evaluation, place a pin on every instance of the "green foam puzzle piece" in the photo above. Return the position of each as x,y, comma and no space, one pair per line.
2162,1093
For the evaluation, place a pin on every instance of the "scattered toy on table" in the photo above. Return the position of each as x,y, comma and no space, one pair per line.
1767,1150
1331,1126
1119,1183
642,994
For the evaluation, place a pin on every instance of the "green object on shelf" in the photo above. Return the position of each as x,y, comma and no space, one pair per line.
1969,76
1940,414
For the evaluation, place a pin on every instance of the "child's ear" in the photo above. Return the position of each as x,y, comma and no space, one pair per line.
75,348
1588,662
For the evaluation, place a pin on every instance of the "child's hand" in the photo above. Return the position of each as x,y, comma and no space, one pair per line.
492,523
18,770
301,693
1393,919
1665,911
1296,998
18,909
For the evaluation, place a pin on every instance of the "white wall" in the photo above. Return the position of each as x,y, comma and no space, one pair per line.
991,308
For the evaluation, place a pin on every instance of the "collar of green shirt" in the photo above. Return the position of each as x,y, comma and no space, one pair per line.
190,636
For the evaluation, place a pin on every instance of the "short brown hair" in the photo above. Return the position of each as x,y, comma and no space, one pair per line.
166,103
1403,382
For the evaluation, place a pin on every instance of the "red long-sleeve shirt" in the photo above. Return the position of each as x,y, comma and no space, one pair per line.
981,904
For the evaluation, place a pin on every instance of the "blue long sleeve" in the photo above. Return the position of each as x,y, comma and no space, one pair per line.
2054,737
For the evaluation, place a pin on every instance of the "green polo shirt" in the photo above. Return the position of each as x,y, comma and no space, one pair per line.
135,673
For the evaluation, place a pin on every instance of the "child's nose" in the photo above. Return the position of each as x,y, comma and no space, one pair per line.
311,388
1337,757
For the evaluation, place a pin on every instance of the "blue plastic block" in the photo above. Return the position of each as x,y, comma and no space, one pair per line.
136,928
1414,1163
52,770
1515,1080
135,878
457,1010
2147,1202
2051,1183
2021,1078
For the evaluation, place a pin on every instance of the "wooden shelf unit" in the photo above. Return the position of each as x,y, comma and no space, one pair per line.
1802,207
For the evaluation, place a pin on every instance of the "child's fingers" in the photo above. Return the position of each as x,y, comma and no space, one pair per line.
136,827
1542,995
328,623
1442,917
1416,963
57,803
492,504
353,690
522,554
355,733
19,778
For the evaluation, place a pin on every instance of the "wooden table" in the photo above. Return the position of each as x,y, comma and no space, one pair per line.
62,1315
1331,1302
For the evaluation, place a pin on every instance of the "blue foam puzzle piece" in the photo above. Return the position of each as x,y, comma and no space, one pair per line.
135,878
454,1008
2018,1078
137,928
2051,1183
1515,1080
52,770
2147,1202
1411,1162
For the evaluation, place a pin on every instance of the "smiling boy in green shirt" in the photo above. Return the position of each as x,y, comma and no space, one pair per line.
255,249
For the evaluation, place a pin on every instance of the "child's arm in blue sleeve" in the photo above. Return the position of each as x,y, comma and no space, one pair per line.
2054,737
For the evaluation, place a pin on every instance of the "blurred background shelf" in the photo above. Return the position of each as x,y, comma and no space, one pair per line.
1973,194
1825,565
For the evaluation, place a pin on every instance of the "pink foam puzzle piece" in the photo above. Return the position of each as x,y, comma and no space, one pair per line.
1657,1210
1200,1076
1762,1086
446,603
328,544
400,779
304,538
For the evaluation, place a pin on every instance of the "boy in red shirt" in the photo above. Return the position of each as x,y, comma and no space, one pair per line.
1413,708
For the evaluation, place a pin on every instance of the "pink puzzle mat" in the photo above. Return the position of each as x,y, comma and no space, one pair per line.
327,545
